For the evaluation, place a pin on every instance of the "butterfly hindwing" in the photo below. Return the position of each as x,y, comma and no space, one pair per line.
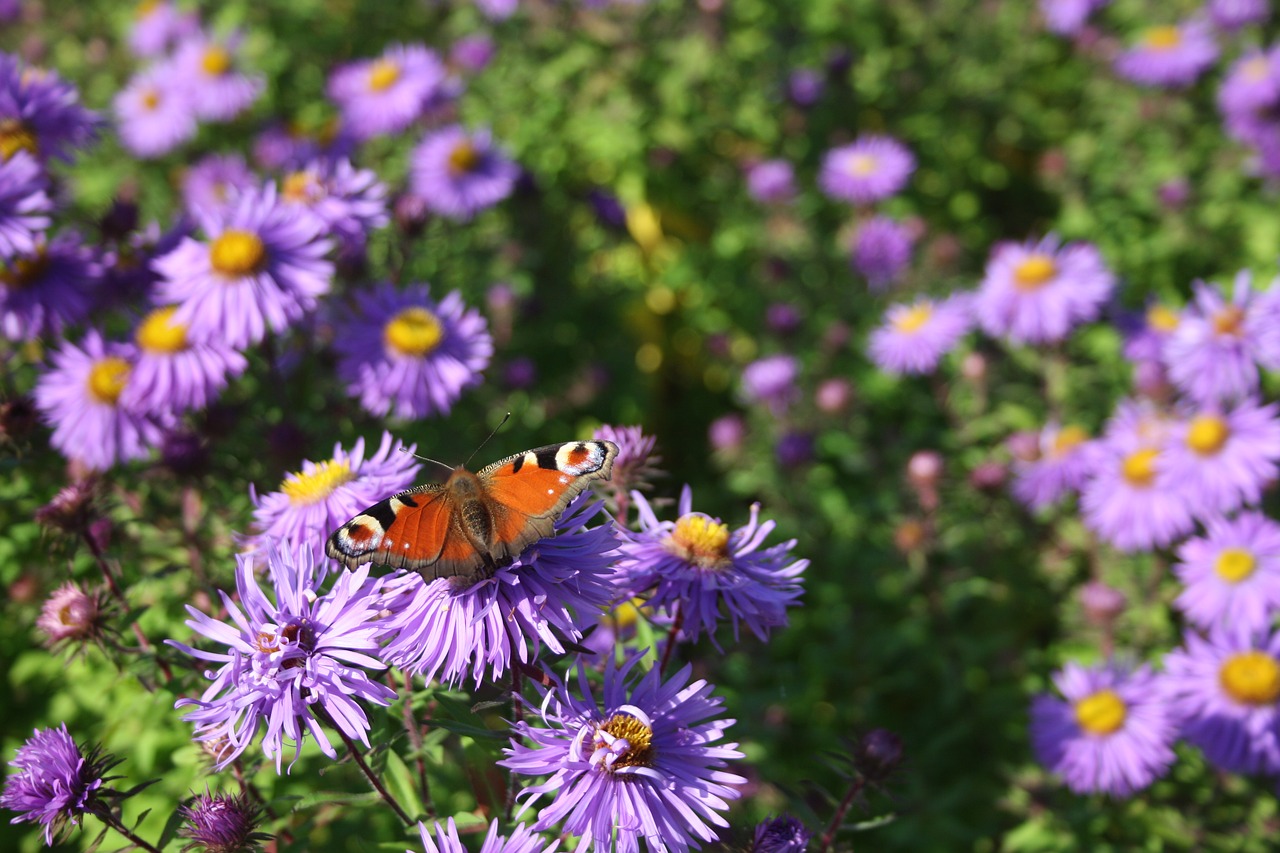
405,531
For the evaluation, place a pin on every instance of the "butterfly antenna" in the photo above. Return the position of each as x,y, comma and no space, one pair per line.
505,418
404,449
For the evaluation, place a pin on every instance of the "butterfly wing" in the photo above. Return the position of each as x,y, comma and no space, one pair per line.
409,530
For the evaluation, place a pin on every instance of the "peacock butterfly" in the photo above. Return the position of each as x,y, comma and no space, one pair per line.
470,524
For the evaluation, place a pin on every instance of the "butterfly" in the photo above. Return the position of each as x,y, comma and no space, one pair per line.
471,524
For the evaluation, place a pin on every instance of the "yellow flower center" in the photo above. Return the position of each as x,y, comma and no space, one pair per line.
308,487
237,253
107,379
463,158
15,137
415,331
158,333
146,7
1235,564
21,272
1034,272
1257,68
216,61
1162,38
639,737
151,99
911,320
1101,713
627,613
701,541
383,74
1207,434
1068,438
1229,321
297,186
861,165
1251,678
1140,468
1162,319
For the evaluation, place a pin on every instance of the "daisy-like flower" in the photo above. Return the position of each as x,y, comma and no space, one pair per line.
317,500
24,205
387,94
867,170
71,616
698,568
913,338
782,834
634,466
1251,91
292,665
1232,15
209,69
472,53
262,268
497,10
1112,734
881,251
82,398
215,182
175,373
1169,55
772,381
55,782
40,113
1065,459
291,146
1231,574
350,202
1213,355
522,840
642,762
44,290
1036,292
222,823
1225,691
159,24
771,181
1146,342
1126,501
1223,458
153,113
405,355
555,589
1068,17
459,173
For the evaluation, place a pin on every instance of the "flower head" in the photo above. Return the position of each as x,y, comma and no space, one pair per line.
44,290
171,372
387,94
913,338
446,840
1231,574
209,70
1169,55
222,823
1064,460
158,25
1235,14
771,181
772,380
154,114
867,170
782,834
215,181
1068,17
71,616
24,205
636,462
55,782
459,173
1223,458
40,113
350,202
881,251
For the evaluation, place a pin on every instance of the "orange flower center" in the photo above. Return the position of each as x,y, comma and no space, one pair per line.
1251,678
1162,38
1140,468
107,379
1162,319
911,320
1229,321
861,165
463,158
383,74
1034,272
14,137
21,272
700,540
639,738
1068,438
216,61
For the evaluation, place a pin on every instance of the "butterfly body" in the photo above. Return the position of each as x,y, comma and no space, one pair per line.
473,523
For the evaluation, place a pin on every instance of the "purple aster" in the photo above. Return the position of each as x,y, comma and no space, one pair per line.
727,432
522,840
1068,17
867,170
24,205
472,53
1250,93
387,94
154,114
459,173
1225,691
54,782
71,616
280,146
782,834
1224,458
1169,55
1036,292
208,69
405,355
449,629
913,338
1213,355
222,823
158,25
497,10
772,381
1235,14
349,202
697,567
805,87
1112,735
40,113
293,663
1065,459
216,181
262,268
315,501
881,251
1231,574
82,398
771,181
1146,343
642,762
45,290
171,372
128,277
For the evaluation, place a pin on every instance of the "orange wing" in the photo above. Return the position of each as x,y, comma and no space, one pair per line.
409,530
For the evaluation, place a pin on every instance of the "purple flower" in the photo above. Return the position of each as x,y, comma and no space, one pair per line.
641,763
771,181
290,146
1236,14
262,268
222,823
805,86
216,181
1036,292
1146,344
153,113
82,398
292,663
24,206
913,338
208,69
1066,458
1224,690
40,113
1112,735
55,782
771,380
727,432
472,53
387,94
867,170
1251,92
316,500
782,834
71,615
881,251
172,373
44,290
696,566
497,10
349,202
459,173
636,461
159,24
450,630
1068,17
1222,459
522,840
1231,574
405,355
1168,55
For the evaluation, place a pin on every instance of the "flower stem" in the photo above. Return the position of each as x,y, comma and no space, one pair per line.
415,738
109,577
115,823
837,819
672,636
370,775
